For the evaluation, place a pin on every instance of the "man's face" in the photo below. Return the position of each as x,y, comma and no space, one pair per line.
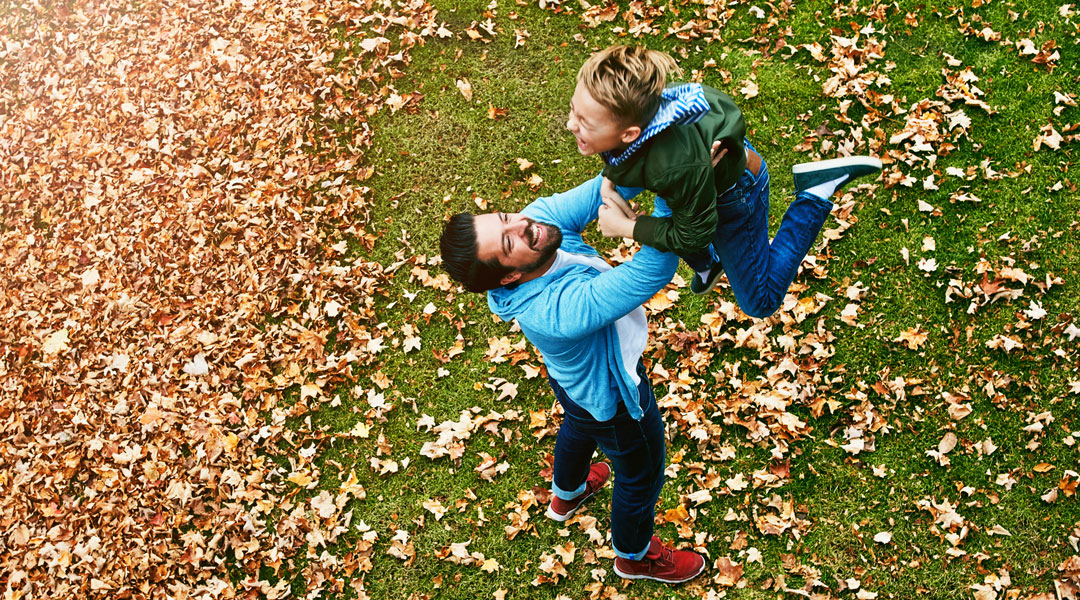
594,127
515,241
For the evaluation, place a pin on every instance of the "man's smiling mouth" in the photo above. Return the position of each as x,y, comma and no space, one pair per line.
536,234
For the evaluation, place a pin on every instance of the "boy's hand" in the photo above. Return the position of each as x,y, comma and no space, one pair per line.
611,196
717,153
613,219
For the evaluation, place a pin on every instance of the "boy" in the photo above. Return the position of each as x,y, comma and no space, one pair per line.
657,137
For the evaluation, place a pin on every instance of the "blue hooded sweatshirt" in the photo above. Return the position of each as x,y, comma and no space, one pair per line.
570,313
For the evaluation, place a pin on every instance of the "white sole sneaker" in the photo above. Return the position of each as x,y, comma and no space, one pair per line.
868,162
551,514
660,579
838,170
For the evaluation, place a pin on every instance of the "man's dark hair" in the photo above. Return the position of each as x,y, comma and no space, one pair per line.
458,247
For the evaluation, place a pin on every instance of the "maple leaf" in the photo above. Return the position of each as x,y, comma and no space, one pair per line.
56,342
749,89
727,572
928,264
1049,138
914,337
737,483
197,366
566,552
435,508
324,505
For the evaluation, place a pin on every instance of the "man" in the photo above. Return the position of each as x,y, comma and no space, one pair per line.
587,320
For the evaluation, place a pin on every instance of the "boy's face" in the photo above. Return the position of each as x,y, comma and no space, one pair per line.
594,127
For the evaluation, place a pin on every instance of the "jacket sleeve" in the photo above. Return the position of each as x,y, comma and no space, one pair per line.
572,210
690,191
585,305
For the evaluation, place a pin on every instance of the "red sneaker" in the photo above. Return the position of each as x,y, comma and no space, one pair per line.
561,510
662,564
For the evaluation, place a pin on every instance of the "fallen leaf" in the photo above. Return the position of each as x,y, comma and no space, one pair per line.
465,88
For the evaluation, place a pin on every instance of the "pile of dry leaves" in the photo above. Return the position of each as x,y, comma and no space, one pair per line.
169,176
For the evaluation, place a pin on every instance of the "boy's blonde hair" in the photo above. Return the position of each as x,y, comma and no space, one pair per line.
628,81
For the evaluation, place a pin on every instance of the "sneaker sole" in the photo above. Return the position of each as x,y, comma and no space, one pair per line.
825,165
560,518
660,579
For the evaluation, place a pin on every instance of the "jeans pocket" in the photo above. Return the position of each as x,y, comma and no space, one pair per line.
608,438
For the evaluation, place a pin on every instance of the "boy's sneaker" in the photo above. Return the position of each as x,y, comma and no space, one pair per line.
561,510
700,287
662,564
808,175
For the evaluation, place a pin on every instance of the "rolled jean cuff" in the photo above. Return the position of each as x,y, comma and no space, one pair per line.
823,202
564,495
634,556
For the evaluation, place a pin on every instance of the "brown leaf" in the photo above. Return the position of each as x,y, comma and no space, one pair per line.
727,572
496,113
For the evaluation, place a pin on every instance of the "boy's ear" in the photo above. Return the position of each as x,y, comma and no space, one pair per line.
510,278
630,134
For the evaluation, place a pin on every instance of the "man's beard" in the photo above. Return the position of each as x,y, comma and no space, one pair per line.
552,240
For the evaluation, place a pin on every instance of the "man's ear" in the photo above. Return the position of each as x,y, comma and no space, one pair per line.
510,278
630,134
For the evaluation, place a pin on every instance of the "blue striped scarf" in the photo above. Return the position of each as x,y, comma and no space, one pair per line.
679,105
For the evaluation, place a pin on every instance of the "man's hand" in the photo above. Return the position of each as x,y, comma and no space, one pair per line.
615,220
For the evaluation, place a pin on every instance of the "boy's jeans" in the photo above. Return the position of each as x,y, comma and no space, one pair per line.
636,452
759,272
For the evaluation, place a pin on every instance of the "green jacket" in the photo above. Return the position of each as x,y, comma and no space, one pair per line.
676,165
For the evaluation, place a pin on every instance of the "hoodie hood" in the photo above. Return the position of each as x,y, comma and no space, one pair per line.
679,105
509,302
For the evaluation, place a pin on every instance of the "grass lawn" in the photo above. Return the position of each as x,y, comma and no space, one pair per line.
918,261
233,367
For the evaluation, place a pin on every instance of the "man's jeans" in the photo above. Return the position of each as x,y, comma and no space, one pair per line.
636,452
759,272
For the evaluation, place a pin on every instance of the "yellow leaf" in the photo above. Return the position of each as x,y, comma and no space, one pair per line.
300,478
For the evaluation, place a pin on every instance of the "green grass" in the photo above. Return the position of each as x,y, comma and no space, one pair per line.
441,158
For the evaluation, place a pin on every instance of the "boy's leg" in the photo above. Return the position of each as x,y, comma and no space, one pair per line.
760,272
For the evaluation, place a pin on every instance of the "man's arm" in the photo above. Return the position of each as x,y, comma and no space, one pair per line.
587,304
572,210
